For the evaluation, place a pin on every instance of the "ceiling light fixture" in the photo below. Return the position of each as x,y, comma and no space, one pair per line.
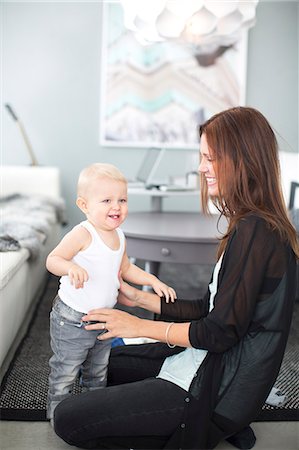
207,26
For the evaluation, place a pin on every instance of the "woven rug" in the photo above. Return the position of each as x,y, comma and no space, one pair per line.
24,388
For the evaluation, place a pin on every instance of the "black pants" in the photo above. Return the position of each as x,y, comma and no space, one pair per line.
140,414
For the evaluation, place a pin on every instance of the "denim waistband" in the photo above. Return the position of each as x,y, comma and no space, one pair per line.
66,311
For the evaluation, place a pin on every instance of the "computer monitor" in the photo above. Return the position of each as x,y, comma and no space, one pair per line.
149,165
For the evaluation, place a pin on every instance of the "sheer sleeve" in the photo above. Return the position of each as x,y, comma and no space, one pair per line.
241,277
185,310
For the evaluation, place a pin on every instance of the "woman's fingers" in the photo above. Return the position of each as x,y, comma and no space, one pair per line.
96,326
102,316
95,317
117,323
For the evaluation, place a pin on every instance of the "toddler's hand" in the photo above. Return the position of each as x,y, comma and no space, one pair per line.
77,276
162,289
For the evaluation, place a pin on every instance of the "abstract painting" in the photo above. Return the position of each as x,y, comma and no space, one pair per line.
158,95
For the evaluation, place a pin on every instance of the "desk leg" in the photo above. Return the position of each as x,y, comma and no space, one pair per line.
156,204
152,267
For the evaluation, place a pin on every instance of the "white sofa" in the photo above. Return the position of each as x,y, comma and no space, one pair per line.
21,277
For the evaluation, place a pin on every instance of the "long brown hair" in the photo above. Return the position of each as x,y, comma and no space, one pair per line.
245,150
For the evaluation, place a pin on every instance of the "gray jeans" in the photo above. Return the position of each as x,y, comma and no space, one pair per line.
74,348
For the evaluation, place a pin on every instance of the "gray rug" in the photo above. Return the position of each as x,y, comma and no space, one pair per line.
24,388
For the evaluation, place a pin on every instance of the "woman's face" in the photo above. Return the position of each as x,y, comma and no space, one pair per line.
206,167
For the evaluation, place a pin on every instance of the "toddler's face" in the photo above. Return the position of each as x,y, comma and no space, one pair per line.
107,203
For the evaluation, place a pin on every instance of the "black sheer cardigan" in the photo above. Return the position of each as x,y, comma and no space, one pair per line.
245,335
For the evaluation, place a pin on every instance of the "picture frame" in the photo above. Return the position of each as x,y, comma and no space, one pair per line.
157,95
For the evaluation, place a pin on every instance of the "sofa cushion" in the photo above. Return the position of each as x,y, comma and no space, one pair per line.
10,263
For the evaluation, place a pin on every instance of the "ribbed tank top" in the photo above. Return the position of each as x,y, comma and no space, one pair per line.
102,265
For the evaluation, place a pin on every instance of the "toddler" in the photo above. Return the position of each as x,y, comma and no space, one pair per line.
89,259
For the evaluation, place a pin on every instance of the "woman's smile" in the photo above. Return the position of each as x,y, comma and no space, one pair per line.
206,167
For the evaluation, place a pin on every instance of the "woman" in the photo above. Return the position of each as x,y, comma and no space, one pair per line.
230,344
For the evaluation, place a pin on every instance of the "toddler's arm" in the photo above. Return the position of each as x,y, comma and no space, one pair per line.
60,260
134,274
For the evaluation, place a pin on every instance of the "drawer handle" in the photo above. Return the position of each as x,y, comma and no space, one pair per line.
165,251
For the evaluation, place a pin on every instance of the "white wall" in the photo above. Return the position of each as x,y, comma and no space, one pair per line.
272,80
51,76
51,70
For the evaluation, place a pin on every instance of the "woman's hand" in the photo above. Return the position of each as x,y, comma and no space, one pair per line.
122,324
117,323
128,295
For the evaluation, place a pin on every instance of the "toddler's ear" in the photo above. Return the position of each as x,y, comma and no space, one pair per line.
81,203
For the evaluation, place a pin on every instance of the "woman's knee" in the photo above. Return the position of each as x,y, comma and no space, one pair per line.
65,419
73,416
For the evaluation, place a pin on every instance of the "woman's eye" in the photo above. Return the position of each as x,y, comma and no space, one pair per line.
123,200
210,159
106,200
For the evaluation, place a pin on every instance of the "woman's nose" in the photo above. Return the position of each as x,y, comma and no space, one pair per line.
202,167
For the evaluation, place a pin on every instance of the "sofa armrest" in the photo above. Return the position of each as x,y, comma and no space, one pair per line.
30,180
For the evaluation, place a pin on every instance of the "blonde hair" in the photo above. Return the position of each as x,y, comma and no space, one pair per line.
97,171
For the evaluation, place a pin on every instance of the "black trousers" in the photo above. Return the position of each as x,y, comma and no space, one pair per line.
136,410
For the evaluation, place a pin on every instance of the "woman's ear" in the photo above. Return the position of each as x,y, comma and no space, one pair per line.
81,203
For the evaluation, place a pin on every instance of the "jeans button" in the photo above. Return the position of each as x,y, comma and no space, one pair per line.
61,322
183,425
187,399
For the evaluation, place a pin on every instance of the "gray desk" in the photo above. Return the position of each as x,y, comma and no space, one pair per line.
157,196
176,237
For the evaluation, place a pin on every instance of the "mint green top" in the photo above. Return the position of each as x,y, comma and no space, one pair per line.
180,369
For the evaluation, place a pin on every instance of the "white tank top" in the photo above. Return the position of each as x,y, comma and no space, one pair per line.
102,265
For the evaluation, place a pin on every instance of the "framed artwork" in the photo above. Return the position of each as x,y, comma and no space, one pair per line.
158,95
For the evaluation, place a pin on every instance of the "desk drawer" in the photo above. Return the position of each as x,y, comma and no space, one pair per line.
174,252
